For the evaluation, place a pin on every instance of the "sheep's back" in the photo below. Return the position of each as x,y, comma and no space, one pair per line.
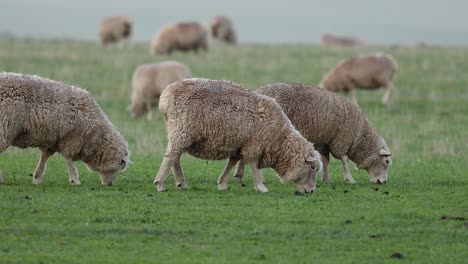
320,116
217,117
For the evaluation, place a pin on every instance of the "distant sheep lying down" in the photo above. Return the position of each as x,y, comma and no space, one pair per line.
216,120
335,125
115,28
329,40
363,72
222,29
184,36
55,117
149,80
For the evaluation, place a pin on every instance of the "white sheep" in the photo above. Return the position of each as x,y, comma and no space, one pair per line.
54,117
183,36
113,29
149,80
214,120
222,29
362,72
335,125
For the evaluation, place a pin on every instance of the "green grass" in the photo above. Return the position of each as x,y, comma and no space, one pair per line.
132,223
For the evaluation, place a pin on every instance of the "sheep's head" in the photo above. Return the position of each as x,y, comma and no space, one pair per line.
305,173
138,110
378,171
112,158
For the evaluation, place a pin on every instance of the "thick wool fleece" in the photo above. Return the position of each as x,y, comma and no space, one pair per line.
184,36
115,28
329,121
149,80
55,117
215,120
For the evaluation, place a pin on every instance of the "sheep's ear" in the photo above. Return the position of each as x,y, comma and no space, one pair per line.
385,152
310,159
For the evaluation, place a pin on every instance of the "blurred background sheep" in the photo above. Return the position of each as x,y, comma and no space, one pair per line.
115,28
329,40
222,29
363,72
183,36
149,81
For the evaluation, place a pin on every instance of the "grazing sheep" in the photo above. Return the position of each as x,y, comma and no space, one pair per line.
115,28
55,117
363,72
184,36
329,40
335,125
222,29
215,120
149,80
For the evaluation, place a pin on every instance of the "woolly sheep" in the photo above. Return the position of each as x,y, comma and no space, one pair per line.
362,72
329,40
115,28
212,119
149,80
184,36
222,29
335,125
54,117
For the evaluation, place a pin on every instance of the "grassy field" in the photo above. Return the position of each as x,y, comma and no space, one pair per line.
421,214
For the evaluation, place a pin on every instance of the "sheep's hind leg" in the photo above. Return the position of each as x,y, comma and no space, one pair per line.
73,176
41,166
179,174
240,171
347,173
223,179
388,94
325,161
258,178
166,165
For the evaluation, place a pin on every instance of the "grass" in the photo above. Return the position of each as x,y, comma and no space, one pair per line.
421,213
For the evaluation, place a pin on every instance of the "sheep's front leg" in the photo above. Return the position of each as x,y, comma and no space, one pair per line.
347,173
1,178
258,178
41,166
73,176
240,170
388,94
149,114
223,179
168,162
325,161
179,174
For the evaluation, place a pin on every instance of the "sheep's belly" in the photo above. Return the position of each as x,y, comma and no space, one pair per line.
204,150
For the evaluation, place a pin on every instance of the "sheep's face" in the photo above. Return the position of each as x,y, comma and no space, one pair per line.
378,171
118,162
306,176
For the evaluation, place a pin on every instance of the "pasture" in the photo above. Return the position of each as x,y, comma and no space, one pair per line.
419,216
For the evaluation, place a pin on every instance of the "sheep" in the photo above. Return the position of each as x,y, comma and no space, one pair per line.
184,36
54,117
329,40
222,29
335,125
363,72
115,28
149,80
215,119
